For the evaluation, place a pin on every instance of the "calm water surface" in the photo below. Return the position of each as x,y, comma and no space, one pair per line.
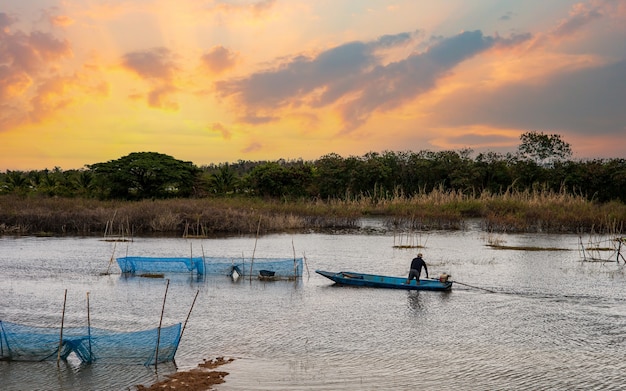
551,322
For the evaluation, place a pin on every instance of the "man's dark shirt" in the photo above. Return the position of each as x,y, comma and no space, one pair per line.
417,264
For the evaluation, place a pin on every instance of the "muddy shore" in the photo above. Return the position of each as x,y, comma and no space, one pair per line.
201,378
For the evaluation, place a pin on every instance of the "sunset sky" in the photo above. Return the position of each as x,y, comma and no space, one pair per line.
87,81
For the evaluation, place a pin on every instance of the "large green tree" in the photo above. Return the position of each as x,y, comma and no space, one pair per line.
278,179
544,148
142,175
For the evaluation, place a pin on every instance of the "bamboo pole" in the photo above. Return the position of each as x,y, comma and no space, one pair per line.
295,264
61,337
581,248
308,273
129,232
243,265
189,314
258,228
156,358
111,225
89,328
203,259
111,260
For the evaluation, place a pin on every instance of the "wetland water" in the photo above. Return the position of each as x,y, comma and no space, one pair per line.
554,322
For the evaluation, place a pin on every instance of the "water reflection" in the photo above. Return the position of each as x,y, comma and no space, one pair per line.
415,304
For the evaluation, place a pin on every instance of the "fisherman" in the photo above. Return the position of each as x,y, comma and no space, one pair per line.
416,269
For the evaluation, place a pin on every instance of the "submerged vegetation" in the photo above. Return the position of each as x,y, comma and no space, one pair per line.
534,190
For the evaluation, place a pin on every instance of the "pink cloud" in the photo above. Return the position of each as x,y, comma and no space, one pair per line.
5,22
152,64
31,53
158,67
160,98
580,16
26,61
218,127
219,59
253,147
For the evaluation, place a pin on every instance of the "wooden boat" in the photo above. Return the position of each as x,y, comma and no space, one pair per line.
377,281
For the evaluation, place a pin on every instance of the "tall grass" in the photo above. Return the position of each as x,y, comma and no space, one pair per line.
527,211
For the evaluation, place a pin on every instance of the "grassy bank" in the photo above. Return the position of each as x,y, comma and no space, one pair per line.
511,212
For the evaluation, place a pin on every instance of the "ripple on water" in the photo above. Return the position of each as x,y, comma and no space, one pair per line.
551,323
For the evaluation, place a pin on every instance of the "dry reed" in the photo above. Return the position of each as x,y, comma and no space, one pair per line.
527,211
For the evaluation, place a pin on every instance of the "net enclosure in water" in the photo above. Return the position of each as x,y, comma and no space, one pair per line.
282,267
161,265
31,343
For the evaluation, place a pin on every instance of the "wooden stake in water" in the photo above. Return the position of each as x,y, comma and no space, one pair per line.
111,260
254,250
61,337
89,328
203,259
308,273
295,267
185,325
156,358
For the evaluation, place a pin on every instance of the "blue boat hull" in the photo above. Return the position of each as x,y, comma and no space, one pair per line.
388,282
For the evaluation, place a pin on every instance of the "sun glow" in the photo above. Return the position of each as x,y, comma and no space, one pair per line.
213,82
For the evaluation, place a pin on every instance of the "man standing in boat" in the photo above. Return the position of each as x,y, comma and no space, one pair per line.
416,269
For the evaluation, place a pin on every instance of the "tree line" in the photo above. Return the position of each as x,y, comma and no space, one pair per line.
542,162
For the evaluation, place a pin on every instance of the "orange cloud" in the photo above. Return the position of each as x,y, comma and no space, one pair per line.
61,20
51,96
13,83
256,9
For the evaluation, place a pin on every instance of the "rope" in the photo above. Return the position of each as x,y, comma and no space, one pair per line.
475,287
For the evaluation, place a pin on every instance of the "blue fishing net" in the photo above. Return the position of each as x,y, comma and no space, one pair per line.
30,343
161,265
282,267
